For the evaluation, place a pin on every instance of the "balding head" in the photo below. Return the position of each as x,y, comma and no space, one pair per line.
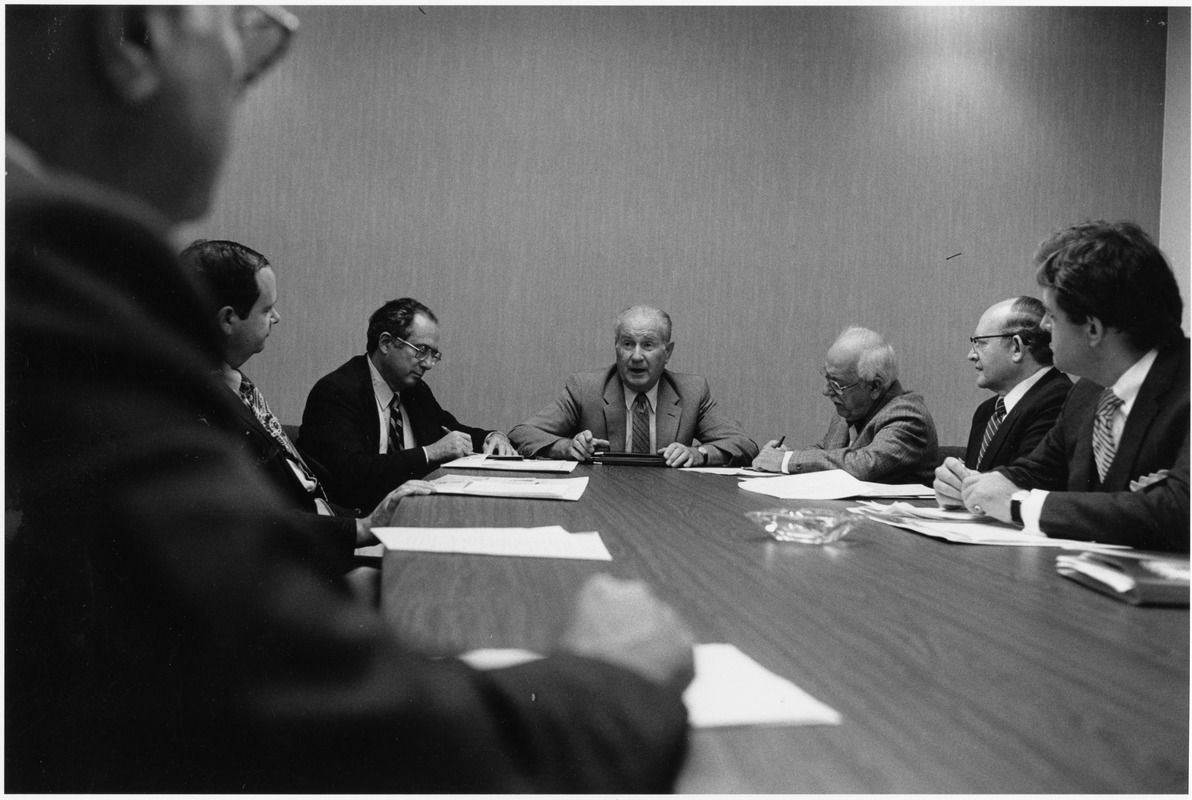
1010,344
858,369
643,344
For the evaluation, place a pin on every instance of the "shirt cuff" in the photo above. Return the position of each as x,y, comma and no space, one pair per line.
786,461
1031,509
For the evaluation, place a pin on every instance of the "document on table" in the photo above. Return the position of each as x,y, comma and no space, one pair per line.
730,689
550,541
971,531
537,488
481,461
747,472
831,484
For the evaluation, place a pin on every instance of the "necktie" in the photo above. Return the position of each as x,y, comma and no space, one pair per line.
397,437
995,422
253,398
1104,445
641,424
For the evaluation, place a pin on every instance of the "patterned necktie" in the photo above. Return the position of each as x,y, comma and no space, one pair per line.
641,424
1104,446
397,437
995,422
253,398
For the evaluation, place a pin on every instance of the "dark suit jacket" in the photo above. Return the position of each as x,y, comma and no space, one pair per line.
340,430
1023,428
1154,440
595,401
169,628
273,461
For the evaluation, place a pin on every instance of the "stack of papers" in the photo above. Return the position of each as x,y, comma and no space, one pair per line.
730,689
965,528
511,464
550,541
538,488
832,484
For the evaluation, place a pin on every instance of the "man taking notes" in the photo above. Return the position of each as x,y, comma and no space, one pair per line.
1114,467
374,423
1012,356
637,406
881,433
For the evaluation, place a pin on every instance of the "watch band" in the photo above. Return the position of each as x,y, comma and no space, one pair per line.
1016,500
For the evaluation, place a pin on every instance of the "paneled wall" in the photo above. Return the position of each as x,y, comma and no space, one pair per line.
768,175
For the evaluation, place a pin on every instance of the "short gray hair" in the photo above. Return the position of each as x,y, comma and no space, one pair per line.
663,319
875,359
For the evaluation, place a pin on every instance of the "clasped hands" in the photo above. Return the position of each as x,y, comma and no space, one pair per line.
984,493
584,445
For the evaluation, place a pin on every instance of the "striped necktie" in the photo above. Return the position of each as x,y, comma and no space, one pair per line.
397,436
1104,445
995,422
641,424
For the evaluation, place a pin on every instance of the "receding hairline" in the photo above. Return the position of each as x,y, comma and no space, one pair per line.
660,318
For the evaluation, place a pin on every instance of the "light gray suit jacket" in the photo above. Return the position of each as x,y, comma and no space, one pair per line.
595,401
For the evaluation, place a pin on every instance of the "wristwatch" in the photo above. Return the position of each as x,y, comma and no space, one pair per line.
703,450
1016,501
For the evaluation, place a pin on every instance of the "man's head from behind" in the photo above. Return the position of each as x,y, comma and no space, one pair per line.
858,369
1009,345
642,337
244,289
1104,279
139,98
403,341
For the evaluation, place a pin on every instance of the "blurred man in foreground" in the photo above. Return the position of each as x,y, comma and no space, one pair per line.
167,628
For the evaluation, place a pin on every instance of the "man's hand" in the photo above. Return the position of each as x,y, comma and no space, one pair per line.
770,458
584,445
680,455
383,513
497,443
989,493
454,445
624,623
949,481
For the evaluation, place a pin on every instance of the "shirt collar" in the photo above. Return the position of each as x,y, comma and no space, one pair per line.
381,388
1014,395
651,396
1130,382
231,377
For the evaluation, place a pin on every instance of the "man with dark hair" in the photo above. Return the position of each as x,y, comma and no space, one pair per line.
1114,467
169,626
1011,354
373,423
243,286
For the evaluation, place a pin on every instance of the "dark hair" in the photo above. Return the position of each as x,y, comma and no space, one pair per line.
1114,272
395,318
229,270
1025,317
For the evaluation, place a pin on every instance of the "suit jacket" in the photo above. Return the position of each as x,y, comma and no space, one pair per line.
896,444
1023,428
170,628
595,401
272,460
1154,442
340,430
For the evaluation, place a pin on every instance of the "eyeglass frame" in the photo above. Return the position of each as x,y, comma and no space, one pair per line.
975,339
834,385
283,21
421,353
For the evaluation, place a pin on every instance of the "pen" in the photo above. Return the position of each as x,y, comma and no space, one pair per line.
781,439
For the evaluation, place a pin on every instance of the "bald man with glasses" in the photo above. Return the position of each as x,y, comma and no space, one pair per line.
881,432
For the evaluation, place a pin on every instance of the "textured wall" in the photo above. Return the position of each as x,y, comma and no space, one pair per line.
767,175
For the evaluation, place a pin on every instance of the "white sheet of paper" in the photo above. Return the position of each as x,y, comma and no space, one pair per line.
730,689
898,509
986,533
535,488
747,472
546,542
481,461
830,484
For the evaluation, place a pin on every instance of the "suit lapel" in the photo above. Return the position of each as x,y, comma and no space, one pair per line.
614,412
368,399
666,416
1142,414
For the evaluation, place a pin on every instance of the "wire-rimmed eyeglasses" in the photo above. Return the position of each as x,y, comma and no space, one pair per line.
423,353
834,385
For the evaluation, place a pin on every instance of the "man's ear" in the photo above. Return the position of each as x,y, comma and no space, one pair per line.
1094,331
1019,349
226,318
124,39
670,350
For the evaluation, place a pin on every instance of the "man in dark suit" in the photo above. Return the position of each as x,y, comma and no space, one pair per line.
1011,354
243,285
169,626
637,405
373,423
1114,467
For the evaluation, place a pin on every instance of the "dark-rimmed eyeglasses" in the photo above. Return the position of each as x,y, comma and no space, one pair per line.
835,386
977,339
265,32
423,353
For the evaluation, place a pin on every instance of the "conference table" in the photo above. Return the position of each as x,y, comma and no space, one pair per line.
956,668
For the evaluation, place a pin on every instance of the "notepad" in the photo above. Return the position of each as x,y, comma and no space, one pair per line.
831,484
529,488
993,533
481,461
551,541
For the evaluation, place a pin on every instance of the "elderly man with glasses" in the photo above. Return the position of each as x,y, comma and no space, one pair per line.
882,432
373,423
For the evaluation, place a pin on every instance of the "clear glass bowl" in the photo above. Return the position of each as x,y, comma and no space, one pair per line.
806,525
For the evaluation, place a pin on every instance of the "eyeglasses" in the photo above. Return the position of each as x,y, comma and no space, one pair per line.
266,32
424,353
977,339
834,385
